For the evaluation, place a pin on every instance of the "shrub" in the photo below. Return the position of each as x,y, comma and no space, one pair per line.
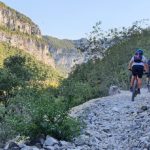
8,84
76,93
38,113
16,65
6,131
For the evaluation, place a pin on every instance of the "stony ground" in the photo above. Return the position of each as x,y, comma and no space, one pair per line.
115,122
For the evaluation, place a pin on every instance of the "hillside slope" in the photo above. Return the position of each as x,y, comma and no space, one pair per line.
65,53
93,79
16,21
39,70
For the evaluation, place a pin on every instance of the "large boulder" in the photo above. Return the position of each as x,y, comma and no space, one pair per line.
114,90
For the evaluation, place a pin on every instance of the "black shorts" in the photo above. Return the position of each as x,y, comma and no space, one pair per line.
137,70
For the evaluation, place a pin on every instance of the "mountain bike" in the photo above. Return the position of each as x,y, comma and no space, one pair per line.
135,89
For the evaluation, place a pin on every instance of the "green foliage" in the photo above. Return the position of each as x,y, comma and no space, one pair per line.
2,112
93,79
6,132
33,112
77,92
31,108
16,65
36,70
19,69
99,41
8,84
57,43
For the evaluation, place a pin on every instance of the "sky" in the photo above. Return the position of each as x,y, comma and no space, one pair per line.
73,19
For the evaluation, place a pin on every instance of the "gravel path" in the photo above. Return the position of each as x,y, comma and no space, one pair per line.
115,122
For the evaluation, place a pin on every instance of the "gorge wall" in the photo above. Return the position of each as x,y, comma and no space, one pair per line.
19,31
17,21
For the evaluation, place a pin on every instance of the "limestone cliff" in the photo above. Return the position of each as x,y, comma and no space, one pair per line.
17,21
65,53
19,31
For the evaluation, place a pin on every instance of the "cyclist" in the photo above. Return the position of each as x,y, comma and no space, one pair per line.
138,64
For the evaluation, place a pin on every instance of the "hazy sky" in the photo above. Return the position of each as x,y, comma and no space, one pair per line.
72,19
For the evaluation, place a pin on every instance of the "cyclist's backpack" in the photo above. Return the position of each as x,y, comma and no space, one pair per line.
138,57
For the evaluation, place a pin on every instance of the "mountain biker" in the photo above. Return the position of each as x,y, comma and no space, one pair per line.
138,64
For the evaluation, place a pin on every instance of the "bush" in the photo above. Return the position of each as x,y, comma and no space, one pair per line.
16,65
6,131
8,84
38,113
76,93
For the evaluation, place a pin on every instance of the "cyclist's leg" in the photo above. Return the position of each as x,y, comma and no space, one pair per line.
139,83
140,74
134,76
132,80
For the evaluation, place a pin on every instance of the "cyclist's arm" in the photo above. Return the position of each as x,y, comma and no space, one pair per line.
146,67
130,64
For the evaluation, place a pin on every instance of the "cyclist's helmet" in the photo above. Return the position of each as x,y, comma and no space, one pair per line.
140,51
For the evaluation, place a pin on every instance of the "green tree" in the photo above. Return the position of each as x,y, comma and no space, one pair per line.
8,83
17,66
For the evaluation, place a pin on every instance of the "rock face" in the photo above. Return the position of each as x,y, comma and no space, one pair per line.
65,52
66,59
17,21
36,47
20,32
112,123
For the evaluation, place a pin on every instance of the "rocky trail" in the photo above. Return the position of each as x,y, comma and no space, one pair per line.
112,123
115,122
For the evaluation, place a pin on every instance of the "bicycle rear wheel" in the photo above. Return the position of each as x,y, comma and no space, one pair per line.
134,92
